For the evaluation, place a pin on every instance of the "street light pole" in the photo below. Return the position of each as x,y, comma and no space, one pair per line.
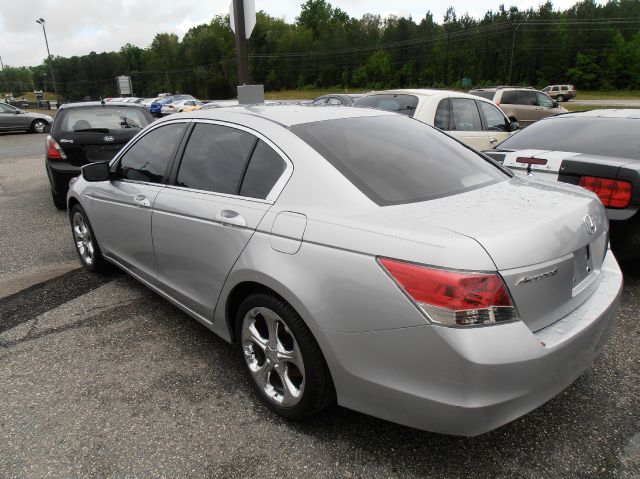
55,88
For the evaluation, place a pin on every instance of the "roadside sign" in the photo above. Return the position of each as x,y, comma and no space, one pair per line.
124,85
249,17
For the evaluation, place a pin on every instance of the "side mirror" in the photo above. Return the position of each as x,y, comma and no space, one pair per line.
555,103
96,171
17,112
514,125
46,129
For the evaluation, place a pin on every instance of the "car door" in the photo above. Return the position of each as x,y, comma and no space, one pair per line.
496,125
122,207
528,109
466,124
8,118
203,220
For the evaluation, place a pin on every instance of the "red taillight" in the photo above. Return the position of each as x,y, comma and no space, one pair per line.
612,193
454,298
54,152
531,161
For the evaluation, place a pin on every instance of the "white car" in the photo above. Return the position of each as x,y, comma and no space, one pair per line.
476,121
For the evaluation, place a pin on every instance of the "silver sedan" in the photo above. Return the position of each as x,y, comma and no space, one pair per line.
359,256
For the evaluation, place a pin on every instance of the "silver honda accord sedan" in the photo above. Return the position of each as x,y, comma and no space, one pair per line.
359,257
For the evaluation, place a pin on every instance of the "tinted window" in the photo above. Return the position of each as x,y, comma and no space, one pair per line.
405,104
102,117
441,119
581,135
396,160
484,94
319,101
6,108
465,115
215,158
509,97
527,98
494,117
544,101
334,101
148,159
264,169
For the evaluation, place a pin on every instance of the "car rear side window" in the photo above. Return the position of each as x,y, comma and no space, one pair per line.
441,119
484,94
215,158
264,170
398,103
148,159
395,160
527,98
509,97
466,116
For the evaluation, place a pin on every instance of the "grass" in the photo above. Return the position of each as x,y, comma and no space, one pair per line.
609,95
306,94
573,107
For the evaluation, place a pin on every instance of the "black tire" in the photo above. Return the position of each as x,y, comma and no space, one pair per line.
625,238
59,200
37,126
97,263
318,391
560,98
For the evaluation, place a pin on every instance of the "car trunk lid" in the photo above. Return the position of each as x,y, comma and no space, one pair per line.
547,240
92,146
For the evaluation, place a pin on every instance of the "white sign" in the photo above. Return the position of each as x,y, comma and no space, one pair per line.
124,85
249,17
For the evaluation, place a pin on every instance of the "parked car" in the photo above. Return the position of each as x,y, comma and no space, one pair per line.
15,119
181,106
560,92
336,99
431,287
148,101
524,105
170,106
155,108
218,104
598,150
474,121
85,133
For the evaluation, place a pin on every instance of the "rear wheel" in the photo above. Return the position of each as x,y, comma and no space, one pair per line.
85,242
560,98
625,238
38,126
282,358
59,200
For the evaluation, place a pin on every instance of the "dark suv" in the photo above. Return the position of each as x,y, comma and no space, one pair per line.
85,133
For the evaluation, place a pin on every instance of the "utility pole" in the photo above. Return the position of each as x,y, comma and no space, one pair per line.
513,47
53,78
241,42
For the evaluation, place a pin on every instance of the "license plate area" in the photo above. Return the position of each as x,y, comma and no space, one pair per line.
583,270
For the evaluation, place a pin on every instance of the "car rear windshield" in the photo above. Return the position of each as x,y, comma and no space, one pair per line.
100,118
395,160
587,135
405,104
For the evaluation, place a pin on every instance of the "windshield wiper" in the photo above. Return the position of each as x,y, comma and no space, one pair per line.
96,130
128,124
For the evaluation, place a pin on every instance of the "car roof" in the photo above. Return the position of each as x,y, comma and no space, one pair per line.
424,92
86,104
285,115
630,113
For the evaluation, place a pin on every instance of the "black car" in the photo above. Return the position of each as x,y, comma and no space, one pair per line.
88,132
598,150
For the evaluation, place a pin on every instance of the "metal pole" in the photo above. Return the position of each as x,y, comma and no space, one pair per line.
241,42
513,47
46,41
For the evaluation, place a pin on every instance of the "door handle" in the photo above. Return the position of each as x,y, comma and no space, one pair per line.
493,140
230,218
142,200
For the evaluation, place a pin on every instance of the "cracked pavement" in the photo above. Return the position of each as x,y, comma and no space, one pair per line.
101,377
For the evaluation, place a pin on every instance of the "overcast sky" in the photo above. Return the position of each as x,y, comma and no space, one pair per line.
76,27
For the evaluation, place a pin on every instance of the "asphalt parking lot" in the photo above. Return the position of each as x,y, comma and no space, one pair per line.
101,377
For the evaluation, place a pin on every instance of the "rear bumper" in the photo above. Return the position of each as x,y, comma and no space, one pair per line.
469,381
60,173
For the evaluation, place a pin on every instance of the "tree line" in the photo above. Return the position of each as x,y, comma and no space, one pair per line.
593,46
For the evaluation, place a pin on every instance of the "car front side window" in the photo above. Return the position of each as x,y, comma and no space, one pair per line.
544,101
465,115
148,159
495,120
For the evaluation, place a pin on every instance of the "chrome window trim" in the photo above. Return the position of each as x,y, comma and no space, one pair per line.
278,186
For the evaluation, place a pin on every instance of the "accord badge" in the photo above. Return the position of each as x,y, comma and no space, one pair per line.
536,277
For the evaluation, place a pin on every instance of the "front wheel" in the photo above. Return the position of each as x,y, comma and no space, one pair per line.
85,242
38,126
282,358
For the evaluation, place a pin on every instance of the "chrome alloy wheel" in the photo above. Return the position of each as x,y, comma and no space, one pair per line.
273,356
82,237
